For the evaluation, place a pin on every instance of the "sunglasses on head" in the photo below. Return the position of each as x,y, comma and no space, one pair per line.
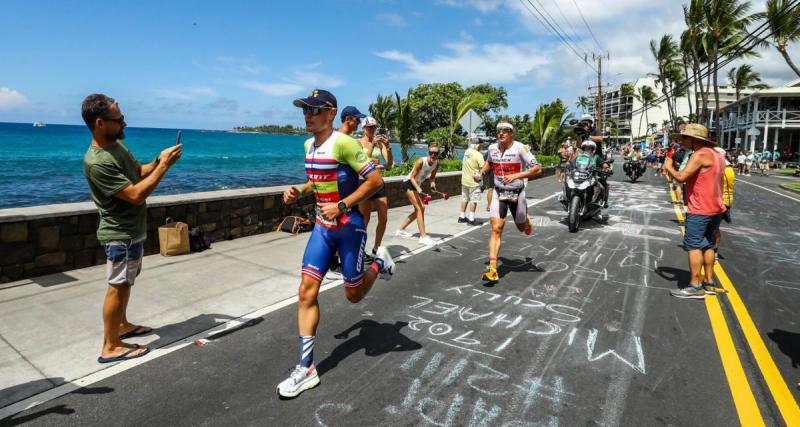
313,110
119,120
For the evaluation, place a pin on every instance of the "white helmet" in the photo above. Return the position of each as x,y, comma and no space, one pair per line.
587,118
588,144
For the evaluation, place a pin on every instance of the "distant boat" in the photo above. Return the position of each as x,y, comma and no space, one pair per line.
39,124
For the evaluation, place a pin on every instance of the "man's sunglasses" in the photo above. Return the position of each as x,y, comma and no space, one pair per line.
503,131
120,120
433,153
313,110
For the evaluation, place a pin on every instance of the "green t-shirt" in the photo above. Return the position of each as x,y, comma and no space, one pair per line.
108,171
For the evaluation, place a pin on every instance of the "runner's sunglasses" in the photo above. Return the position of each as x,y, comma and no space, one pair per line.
119,120
313,110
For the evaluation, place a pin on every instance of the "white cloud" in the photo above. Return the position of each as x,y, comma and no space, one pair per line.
468,63
274,89
482,5
11,99
392,19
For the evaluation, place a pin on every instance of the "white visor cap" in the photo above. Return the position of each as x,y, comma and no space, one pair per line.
505,125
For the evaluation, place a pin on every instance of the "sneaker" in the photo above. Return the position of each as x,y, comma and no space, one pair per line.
712,289
462,219
426,240
388,263
689,292
299,380
491,275
334,273
472,222
402,233
529,228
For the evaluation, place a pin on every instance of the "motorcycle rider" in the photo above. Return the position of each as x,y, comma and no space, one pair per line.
635,155
583,131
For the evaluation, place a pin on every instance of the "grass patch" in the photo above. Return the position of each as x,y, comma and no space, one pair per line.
785,171
793,186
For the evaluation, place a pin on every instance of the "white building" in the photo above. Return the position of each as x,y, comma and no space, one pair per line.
633,121
768,118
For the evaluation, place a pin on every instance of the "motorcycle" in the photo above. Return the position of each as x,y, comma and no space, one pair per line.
583,197
633,169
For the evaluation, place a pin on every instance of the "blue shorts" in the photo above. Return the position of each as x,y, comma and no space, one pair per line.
324,243
701,231
123,261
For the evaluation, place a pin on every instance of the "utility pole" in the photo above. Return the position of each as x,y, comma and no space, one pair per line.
599,58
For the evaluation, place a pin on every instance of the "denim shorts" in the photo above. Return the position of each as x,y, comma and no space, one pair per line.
701,231
123,261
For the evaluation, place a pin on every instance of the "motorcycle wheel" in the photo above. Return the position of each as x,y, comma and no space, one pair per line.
574,217
632,177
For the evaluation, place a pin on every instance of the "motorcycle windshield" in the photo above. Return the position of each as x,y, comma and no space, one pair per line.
583,163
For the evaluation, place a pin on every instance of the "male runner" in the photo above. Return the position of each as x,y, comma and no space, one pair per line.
334,162
507,158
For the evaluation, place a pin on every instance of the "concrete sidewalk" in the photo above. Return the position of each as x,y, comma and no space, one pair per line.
51,330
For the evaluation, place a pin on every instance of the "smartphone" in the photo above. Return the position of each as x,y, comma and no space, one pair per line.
381,131
178,138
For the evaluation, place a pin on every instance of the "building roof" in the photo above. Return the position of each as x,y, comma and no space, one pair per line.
789,89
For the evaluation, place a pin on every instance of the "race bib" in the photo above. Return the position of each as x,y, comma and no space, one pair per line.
326,222
508,195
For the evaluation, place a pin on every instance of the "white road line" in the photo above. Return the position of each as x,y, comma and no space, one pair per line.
92,378
765,188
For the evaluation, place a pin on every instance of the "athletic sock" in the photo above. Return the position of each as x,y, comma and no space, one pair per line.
377,265
307,350
493,262
472,216
462,215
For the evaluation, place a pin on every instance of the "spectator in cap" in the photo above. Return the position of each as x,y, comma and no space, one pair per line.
703,176
351,118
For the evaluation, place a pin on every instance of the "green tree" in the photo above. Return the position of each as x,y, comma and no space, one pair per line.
383,109
547,121
784,25
403,123
583,103
693,40
745,78
646,95
476,101
431,105
666,54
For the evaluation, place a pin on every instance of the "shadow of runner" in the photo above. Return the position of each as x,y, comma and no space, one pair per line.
62,409
375,338
788,343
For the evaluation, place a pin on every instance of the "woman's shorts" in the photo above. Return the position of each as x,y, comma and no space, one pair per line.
379,194
408,186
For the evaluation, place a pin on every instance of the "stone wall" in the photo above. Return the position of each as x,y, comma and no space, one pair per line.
53,238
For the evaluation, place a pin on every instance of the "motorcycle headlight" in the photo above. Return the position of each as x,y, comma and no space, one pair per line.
584,185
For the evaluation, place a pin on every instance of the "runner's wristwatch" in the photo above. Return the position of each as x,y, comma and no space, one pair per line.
343,207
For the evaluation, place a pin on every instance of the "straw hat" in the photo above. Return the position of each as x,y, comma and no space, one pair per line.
697,131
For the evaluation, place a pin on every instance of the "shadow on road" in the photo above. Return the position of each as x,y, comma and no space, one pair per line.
673,274
374,338
56,410
788,343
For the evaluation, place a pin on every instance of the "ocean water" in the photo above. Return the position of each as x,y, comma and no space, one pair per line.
40,166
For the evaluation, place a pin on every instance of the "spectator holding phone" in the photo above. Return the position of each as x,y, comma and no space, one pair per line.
375,144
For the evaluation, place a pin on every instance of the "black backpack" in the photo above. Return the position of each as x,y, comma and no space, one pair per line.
197,240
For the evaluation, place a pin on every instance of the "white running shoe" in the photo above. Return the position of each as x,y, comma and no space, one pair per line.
299,380
427,241
388,263
402,233
334,274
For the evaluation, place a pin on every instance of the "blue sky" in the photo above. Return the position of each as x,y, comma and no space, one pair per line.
215,65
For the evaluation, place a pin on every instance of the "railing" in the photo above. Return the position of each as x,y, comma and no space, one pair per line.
783,118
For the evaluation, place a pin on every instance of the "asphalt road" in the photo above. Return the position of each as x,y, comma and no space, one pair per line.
580,330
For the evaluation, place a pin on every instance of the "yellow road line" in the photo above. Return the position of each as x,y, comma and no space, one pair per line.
743,398
777,386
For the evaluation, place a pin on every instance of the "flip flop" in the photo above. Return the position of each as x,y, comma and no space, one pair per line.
136,332
123,356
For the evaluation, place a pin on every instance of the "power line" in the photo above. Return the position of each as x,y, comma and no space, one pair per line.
587,25
566,21
747,43
556,24
554,31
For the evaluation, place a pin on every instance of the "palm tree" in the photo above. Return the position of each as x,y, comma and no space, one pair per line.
547,121
583,103
745,78
694,16
474,100
645,94
686,56
726,23
383,109
667,58
403,123
784,25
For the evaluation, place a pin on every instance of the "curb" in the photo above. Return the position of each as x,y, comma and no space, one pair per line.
785,187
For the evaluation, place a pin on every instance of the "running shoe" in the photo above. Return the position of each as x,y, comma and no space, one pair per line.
491,274
299,380
712,289
529,228
462,219
472,222
388,263
689,292
402,233
334,273
426,240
